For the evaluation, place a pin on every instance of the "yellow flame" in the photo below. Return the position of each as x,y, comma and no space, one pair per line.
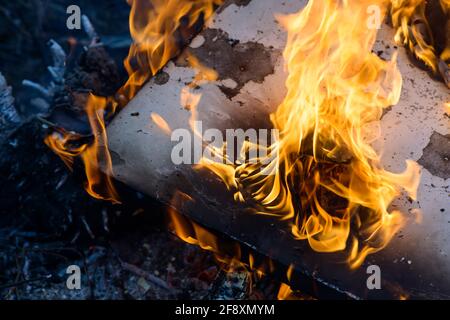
157,27
285,292
327,175
99,183
227,253
161,123
60,144
413,30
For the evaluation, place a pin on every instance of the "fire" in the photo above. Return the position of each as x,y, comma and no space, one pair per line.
414,32
230,256
161,123
99,183
60,142
157,28
285,292
327,176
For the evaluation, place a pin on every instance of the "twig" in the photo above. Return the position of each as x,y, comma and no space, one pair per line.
146,275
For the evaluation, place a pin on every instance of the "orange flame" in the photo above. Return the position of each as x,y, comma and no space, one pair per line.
99,183
161,123
414,32
60,144
156,28
337,89
284,293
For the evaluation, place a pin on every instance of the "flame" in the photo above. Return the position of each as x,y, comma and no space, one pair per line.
161,123
99,183
97,153
157,28
414,32
327,176
60,144
286,293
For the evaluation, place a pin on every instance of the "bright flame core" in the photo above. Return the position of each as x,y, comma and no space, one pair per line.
326,177
157,28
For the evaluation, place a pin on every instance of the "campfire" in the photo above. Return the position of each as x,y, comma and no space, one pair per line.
286,139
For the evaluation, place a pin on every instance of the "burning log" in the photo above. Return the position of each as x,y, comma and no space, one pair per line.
247,89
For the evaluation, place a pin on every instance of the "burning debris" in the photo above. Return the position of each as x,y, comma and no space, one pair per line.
291,180
436,156
330,194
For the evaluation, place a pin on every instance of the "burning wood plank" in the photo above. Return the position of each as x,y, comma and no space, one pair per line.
244,46
241,52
